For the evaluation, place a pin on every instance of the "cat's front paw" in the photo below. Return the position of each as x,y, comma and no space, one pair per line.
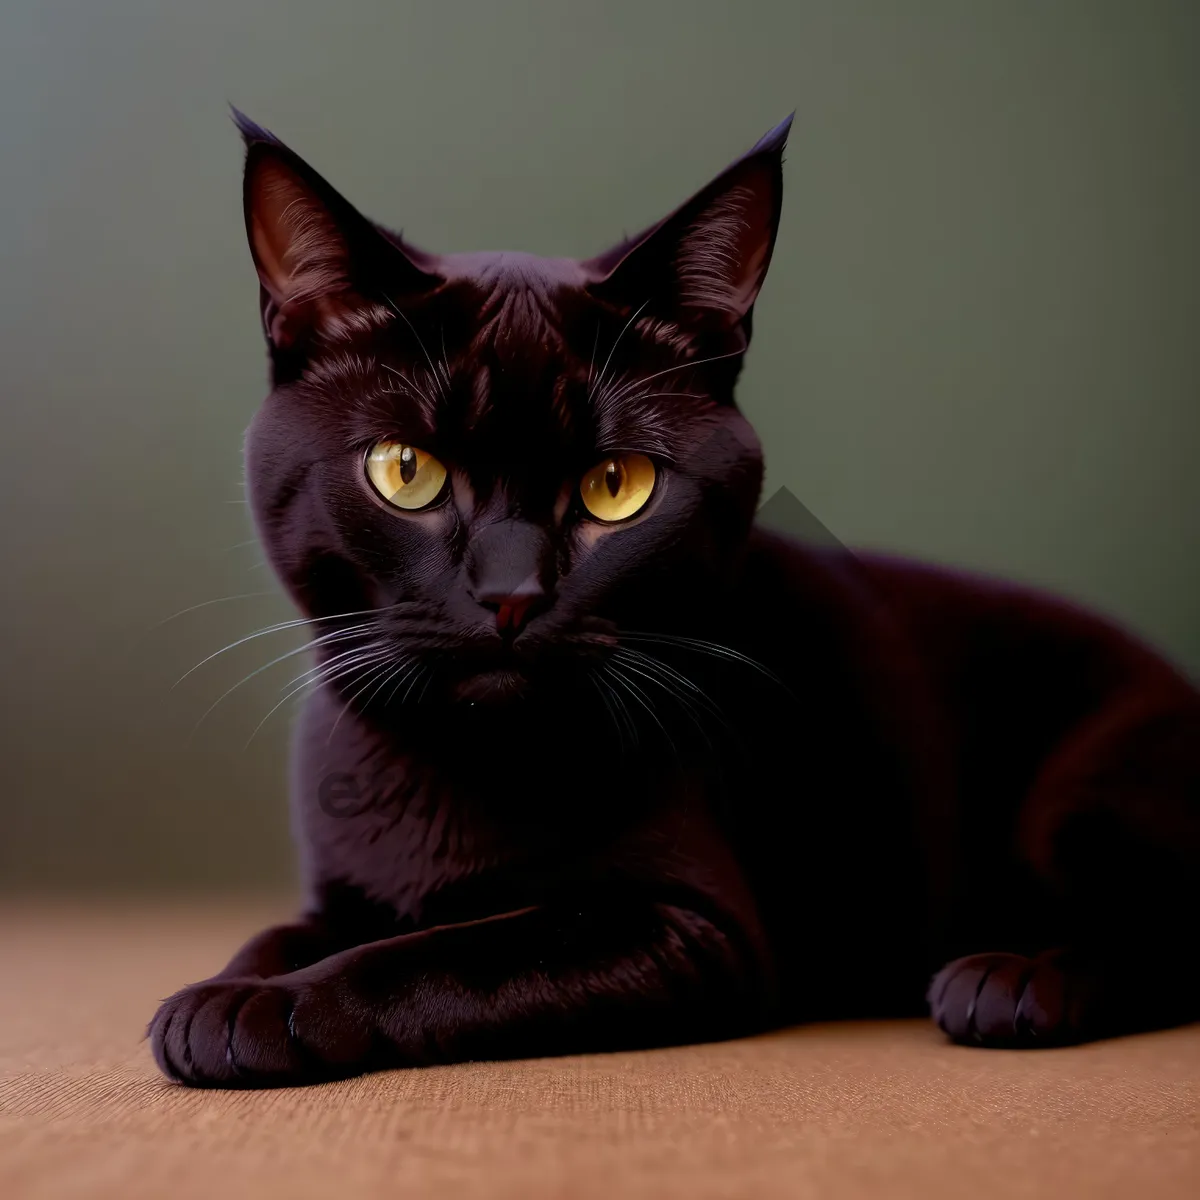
256,1033
1009,1000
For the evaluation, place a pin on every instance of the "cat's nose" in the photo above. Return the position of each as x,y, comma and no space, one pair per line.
509,570
512,609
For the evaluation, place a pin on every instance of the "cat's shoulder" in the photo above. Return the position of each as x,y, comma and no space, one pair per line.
805,563
952,605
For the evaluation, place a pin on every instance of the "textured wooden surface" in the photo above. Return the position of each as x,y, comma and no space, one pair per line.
827,1111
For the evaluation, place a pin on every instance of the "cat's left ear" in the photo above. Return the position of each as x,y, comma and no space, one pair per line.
324,269
705,262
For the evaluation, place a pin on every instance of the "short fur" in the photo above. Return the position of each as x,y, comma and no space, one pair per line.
717,780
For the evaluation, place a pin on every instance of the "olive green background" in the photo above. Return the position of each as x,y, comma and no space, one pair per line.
978,342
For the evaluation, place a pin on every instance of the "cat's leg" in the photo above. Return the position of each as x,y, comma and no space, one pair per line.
1112,827
1003,999
534,982
278,950
283,948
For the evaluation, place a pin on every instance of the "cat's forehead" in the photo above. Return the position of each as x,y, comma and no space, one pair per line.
524,309
512,352
512,270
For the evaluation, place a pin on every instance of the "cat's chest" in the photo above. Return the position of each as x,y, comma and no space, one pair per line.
435,845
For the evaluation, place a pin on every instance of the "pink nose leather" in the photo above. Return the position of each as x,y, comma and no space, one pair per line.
511,611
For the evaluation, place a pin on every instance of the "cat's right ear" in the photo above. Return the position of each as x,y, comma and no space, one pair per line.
324,269
703,265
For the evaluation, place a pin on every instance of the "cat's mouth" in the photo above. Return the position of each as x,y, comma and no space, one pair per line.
496,685
502,673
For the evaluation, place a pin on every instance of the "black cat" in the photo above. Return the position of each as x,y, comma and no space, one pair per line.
591,761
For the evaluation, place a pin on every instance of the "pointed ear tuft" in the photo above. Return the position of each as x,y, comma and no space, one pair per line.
705,263
251,131
775,140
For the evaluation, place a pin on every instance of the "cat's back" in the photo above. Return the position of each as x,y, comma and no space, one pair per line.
1003,670
958,620
970,625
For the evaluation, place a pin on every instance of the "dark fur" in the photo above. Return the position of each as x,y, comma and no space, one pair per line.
860,770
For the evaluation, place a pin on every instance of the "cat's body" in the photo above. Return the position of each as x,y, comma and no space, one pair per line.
573,784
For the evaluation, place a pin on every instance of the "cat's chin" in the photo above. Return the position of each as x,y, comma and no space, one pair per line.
502,685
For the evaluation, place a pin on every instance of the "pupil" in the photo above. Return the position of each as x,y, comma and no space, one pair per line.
408,464
612,477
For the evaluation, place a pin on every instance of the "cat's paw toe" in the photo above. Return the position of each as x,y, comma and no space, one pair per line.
1005,1000
194,1032
253,1033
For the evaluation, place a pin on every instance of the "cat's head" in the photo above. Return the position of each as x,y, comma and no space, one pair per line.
501,461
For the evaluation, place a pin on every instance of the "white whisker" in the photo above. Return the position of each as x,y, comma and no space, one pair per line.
634,317
279,628
603,690
320,680
414,667
324,639
714,649
640,697
428,359
206,603
371,675
698,362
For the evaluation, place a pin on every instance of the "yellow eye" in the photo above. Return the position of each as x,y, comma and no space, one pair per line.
405,476
618,487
